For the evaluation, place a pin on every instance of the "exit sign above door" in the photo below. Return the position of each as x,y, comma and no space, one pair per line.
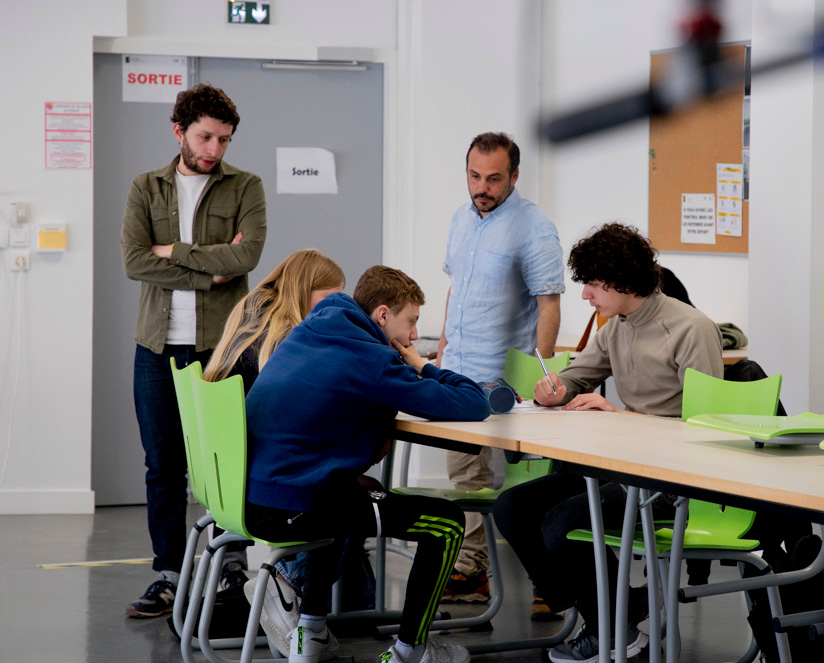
256,13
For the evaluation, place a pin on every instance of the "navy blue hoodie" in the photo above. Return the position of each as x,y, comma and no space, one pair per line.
326,400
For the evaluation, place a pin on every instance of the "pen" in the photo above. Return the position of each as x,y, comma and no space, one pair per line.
546,372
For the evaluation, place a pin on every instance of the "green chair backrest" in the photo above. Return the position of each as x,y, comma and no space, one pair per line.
713,524
704,394
221,419
188,420
522,371
525,470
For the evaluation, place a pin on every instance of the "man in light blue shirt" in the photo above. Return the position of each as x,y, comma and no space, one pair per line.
507,274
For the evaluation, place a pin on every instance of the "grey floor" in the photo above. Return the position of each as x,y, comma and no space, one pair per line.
73,612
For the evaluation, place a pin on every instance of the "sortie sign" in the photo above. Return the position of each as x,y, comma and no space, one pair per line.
154,78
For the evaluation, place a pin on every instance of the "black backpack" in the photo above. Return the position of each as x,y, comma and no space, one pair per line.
795,598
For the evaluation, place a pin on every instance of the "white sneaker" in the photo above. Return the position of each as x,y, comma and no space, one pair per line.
280,613
437,651
306,646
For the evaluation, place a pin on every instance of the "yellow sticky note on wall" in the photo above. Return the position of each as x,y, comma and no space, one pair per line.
51,237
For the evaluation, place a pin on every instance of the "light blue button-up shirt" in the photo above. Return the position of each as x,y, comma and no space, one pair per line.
498,265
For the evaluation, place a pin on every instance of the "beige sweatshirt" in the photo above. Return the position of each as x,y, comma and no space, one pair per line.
647,353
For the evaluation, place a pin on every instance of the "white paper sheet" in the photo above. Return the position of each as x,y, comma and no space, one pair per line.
306,170
730,183
697,218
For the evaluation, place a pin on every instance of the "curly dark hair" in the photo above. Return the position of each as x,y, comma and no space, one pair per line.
204,101
619,256
490,141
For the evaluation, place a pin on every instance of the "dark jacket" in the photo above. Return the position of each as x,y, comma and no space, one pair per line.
326,401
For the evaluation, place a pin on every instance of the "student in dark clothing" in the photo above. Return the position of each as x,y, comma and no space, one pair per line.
318,416
254,328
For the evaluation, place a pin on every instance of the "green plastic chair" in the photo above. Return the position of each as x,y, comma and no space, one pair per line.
711,528
522,371
711,525
188,420
194,458
221,421
185,404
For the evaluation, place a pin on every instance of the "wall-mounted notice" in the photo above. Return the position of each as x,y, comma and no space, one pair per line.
306,170
154,78
68,134
730,179
697,218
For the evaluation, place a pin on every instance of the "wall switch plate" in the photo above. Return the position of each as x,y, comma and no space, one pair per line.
18,237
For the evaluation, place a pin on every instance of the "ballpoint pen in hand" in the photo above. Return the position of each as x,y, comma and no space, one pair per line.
546,372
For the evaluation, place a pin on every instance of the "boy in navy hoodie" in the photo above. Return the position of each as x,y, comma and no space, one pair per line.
319,415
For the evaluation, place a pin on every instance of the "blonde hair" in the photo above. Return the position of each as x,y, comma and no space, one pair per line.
272,309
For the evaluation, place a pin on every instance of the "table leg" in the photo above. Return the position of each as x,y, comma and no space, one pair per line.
648,526
600,550
624,564
679,526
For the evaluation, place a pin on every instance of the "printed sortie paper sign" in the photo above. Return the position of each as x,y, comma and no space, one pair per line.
306,170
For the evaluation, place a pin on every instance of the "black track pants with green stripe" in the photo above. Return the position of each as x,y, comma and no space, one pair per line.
358,511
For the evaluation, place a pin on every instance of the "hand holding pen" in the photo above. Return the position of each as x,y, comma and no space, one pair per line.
542,394
543,366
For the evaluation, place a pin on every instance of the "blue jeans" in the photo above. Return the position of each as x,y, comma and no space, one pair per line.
162,438
358,581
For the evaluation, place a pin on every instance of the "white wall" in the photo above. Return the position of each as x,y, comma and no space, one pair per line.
45,452
786,325
477,70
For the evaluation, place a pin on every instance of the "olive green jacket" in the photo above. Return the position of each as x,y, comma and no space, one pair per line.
232,202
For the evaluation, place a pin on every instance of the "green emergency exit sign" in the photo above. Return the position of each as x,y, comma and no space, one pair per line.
256,13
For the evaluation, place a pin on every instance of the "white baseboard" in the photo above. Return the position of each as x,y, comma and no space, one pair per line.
31,502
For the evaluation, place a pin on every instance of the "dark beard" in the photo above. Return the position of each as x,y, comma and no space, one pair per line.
189,159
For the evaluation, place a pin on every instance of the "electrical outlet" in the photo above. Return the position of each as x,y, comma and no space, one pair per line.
19,261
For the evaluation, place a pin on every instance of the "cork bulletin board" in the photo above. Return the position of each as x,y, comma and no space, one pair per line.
685,150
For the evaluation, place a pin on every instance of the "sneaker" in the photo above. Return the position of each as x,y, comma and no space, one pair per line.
461,588
158,600
583,648
639,603
280,614
306,646
437,651
541,612
232,575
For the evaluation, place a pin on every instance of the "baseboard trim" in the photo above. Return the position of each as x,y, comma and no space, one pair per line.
40,502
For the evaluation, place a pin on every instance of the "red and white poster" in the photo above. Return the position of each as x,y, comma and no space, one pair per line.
68,134
154,78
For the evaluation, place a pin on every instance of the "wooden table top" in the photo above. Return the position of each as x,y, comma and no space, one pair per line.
654,448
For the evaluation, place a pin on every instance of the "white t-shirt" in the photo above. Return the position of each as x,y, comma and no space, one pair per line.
182,317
